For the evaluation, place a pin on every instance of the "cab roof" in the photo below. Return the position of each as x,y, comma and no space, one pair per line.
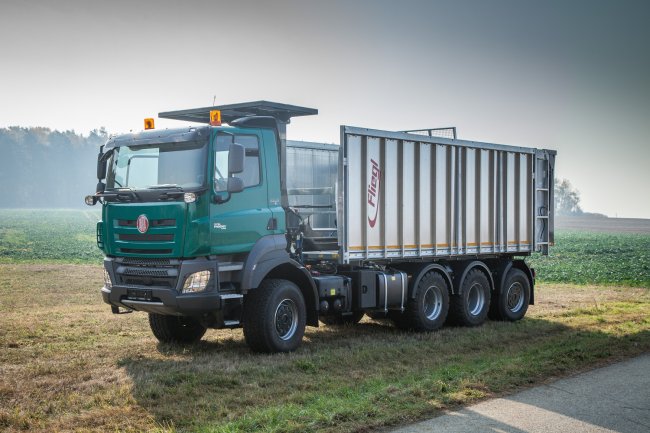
156,136
230,112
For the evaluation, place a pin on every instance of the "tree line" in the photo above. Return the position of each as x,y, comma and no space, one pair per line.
44,168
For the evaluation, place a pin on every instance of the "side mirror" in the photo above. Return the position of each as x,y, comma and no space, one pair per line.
235,184
236,154
101,164
101,169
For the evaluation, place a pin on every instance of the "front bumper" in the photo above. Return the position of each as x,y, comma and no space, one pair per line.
154,286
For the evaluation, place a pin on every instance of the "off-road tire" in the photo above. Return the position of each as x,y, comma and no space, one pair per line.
471,306
511,301
341,320
428,310
176,329
266,311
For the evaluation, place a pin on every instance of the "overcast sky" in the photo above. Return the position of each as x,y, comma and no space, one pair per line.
567,75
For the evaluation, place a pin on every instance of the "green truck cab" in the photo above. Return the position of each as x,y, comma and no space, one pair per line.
192,219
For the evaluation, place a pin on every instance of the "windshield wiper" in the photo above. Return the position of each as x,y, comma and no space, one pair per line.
121,189
166,186
119,194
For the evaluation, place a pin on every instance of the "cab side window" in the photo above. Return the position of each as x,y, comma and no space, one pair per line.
251,173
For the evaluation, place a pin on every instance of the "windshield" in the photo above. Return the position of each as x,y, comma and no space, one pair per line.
158,166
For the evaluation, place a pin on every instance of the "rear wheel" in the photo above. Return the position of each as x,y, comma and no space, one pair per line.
176,329
428,310
511,303
274,317
470,307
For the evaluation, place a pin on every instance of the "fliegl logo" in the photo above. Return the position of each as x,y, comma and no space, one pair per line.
373,193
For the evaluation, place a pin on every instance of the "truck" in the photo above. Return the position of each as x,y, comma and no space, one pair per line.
226,224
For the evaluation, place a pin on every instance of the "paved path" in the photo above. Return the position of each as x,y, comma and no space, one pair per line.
610,399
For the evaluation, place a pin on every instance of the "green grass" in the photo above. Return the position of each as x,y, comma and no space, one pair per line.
46,235
582,257
579,257
69,364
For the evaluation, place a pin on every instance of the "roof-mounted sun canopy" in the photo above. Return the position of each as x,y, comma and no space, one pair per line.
282,112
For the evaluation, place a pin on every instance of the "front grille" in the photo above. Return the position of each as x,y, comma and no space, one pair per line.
152,223
136,261
144,251
146,272
131,242
145,237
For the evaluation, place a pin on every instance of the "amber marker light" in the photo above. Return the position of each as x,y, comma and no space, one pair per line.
215,118
148,123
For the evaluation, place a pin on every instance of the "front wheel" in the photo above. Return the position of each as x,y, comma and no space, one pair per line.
274,317
176,329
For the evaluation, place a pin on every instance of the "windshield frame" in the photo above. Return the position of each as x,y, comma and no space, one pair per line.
202,145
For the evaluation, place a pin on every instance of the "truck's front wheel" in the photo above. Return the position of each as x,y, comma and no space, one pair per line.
176,329
274,317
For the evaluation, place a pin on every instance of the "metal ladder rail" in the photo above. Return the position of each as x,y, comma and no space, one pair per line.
542,202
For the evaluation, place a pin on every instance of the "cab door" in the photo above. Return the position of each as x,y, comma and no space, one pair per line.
236,224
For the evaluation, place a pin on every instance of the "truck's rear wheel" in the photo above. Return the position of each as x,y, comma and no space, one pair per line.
176,329
511,302
428,310
470,307
274,317
340,319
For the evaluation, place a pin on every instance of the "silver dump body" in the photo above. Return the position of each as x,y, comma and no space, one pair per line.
403,196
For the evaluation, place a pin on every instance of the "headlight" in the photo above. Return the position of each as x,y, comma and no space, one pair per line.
197,282
107,279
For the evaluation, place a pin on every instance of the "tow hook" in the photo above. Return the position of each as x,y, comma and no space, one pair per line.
119,310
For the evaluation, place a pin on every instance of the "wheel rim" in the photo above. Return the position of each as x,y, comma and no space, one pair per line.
432,304
515,297
475,299
286,319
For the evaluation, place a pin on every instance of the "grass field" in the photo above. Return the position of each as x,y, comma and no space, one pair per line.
68,364
611,255
47,235
583,257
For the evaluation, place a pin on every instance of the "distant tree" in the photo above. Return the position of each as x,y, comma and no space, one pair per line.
567,198
40,167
